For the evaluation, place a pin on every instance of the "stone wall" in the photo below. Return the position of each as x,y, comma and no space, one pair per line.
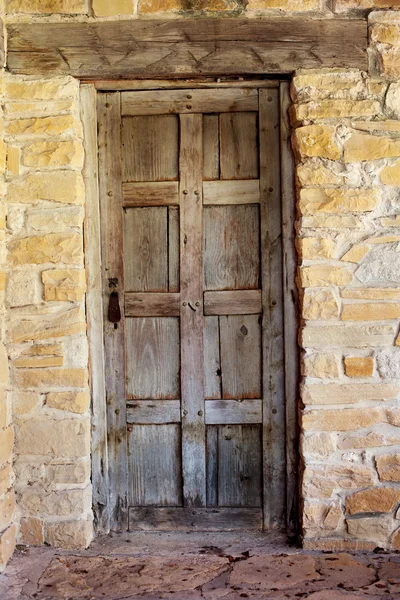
347,145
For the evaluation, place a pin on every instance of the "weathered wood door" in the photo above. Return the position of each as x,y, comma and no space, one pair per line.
191,250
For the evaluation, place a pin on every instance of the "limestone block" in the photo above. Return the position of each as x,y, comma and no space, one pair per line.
5,409
3,156
391,175
105,8
373,439
38,362
7,507
25,402
377,126
38,109
311,248
5,478
318,445
64,285
356,253
320,480
45,126
44,350
6,444
31,531
332,222
310,173
384,239
317,140
58,186
53,154
348,393
321,366
317,84
388,363
323,275
336,544
13,160
37,501
51,378
374,529
321,516
378,311
51,248
393,417
76,351
361,147
53,325
157,6
52,89
380,500
388,467
386,34
3,365
381,265
348,336
23,288
3,279
47,6
355,366
44,436
7,545
319,305
69,535
76,402
391,63
348,419
2,216
343,5
335,109
29,472
395,542
55,220
393,99
76,472
15,218
341,200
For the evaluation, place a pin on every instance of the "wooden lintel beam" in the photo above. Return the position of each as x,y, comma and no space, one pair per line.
181,48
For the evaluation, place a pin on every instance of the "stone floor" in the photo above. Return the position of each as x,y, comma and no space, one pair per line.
198,567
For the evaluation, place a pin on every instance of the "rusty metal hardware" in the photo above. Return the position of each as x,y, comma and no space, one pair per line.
114,311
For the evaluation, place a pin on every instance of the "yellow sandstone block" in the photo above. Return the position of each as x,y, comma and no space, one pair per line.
323,275
371,293
157,6
390,126
381,500
321,366
289,5
368,147
348,393
391,63
53,154
64,285
391,175
2,215
355,366
51,248
371,311
50,378
338,200
319,304
356,253
384,239
58,186
334,109
47,6
342,419
13,160
108,8
45,350
39,362
38,108
311,248
52,89
391,221
386,34
310,174
317,140
61,125
76,402
3,278
59,324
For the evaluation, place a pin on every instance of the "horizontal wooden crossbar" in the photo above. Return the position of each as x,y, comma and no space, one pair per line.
194,519
158,193
180,48
246,191
145,412
233,412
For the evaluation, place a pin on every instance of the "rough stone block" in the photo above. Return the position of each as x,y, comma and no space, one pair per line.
391,63
159,6
44,436
37,501
310,174
317,140
286,5
58,186
13,160
343,200
69,473
355,366
51,378
64,285
348,393
53,154
334,109
7,507
388,467
391,175
3,365
318,84
348,419
7,545
55,220
321,366
23,288
379,500
369,147
6,444
69,535
51,248
53,325
76,402
373,439
38,362
320,480
348,336
318,445
374,529
378,311
356,253
55,88
321,516
319,305
311,248
47,6
39,108
45,126
332,222
393,99
31,531
25,402
105,8
325,275
380,266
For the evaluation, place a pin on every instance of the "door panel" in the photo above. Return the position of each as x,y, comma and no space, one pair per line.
195,311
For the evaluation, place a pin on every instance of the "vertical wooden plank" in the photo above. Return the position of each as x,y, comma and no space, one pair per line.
212,362
272,340
150,148
155,465
239,465
240,356
173,249
212,465
291,303
210,147
192,319
109,121
146,249
94,310
152,356
239,146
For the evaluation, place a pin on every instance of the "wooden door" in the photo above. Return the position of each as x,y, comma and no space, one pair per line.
191,244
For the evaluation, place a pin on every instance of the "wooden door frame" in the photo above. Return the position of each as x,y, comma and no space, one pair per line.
100,454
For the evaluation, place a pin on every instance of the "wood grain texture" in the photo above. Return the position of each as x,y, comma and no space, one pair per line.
212,465
155,465
231,247
157,193
291,312
94,310
152,305
240,356
232,192
212,363
239,145
150,48
232,412
239,302
210,147
109,141
146,249
152,357
195,519
239,465
192,319
272,325
150,148
195,101
173,250
151,412
129,85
